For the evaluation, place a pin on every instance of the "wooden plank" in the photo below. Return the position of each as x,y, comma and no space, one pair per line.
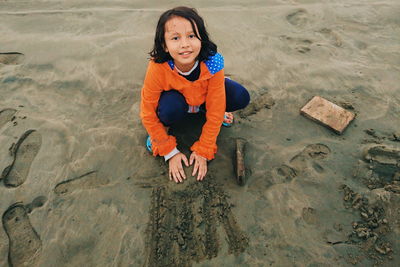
328,114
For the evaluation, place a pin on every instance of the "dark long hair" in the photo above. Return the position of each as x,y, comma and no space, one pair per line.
208,48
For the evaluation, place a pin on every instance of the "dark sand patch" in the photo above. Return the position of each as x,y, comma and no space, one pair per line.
24,153
375,231
11,58
385,163
24,242
371,230
375,136
183,225
88,180
380,168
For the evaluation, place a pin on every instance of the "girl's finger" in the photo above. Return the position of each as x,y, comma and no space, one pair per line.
185,160
178,176
191,158
175,178
202,176
195,168
199,174
182,172
203,171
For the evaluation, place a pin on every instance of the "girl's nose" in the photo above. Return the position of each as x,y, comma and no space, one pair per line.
184,42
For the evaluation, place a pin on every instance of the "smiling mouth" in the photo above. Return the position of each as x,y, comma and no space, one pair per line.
185,53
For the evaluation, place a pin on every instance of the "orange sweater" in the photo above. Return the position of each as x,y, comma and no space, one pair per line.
209,88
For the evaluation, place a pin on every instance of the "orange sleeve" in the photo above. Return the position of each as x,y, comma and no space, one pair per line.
161,142
215,105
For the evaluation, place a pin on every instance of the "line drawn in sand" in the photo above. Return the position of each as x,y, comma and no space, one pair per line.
184,224
88,180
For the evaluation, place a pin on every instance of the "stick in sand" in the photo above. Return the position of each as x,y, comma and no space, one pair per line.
240,168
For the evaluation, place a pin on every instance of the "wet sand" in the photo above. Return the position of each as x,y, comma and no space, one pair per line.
78,187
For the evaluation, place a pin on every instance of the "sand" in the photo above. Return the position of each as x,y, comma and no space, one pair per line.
78,187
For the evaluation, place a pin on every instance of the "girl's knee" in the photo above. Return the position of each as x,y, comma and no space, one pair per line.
244,98
172,107
237,97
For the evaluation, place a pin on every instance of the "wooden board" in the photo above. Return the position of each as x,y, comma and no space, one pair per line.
328,114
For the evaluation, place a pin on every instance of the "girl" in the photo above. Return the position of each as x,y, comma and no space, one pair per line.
185,74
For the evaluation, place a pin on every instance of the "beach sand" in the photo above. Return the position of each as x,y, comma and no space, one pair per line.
79,188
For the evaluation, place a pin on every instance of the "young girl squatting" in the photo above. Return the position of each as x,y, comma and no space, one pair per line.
186,75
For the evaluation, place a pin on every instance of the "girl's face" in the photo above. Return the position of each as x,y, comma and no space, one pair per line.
181,42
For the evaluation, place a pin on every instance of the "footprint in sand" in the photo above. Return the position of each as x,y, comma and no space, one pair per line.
24,242
24,153
298,18
6,115
11,58
286,172
309,215
299,44
302,161
184,224
360,45
332,36
317,167
262,101
316,151
89,180
303,49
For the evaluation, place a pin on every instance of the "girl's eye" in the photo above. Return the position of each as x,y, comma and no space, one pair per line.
192,36
174,38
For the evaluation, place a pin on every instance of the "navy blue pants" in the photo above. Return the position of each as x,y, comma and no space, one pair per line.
172,106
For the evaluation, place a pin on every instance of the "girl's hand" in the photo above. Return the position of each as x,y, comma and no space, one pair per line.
176,171
200,165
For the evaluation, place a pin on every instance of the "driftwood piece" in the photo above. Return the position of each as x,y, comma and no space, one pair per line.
328,114
240,167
